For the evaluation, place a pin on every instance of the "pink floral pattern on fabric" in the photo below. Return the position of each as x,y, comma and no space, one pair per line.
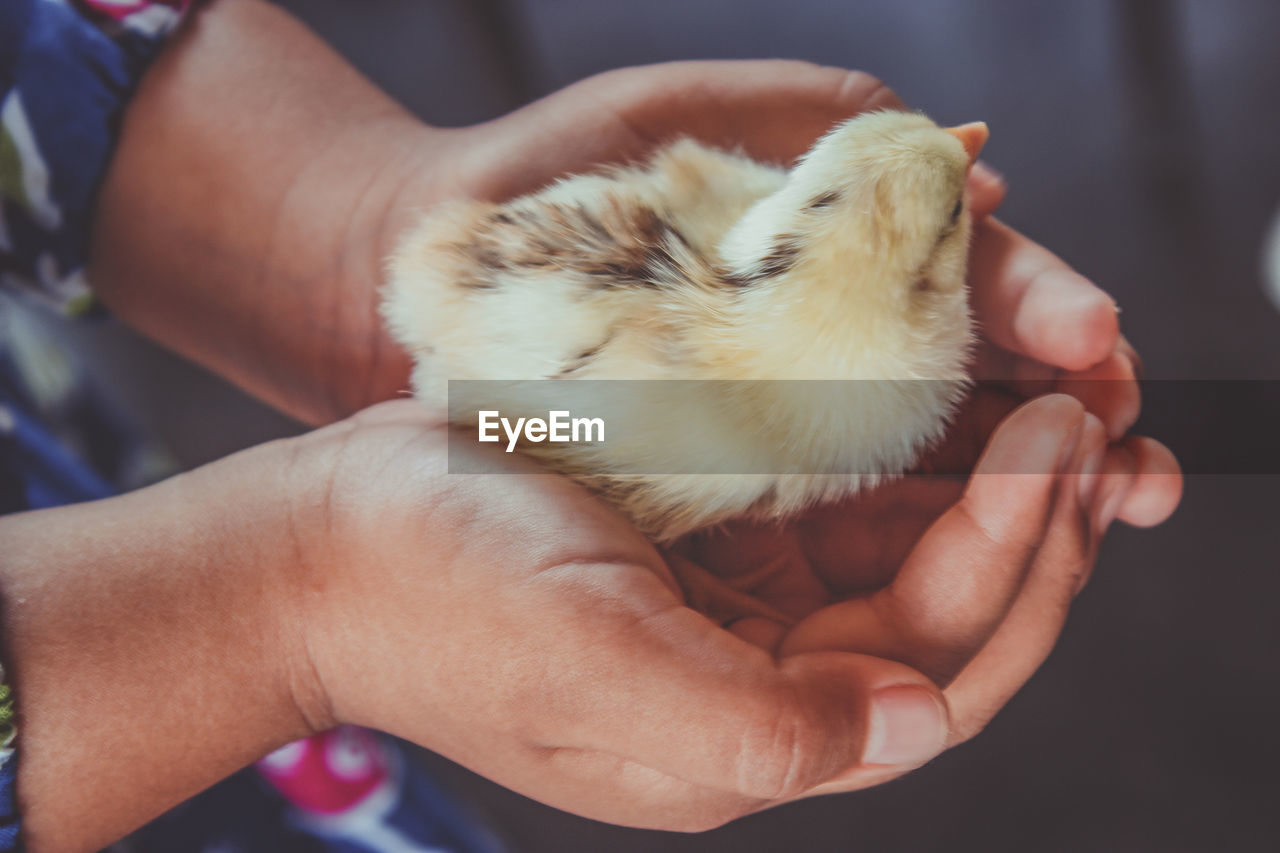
121,9
328,773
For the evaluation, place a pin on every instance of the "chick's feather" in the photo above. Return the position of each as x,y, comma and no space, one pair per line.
744,278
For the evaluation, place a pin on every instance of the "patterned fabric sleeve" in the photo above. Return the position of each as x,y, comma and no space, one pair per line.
67,67
9,823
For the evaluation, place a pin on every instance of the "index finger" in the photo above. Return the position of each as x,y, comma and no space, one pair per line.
959,580
1031,303
771,109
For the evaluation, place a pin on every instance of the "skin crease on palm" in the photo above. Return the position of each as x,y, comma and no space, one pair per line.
515,623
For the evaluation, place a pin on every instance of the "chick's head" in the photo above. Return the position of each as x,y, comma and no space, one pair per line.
893,184
870,238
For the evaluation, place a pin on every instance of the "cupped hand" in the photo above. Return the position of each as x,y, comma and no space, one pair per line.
516,624
964,570
965,581
1044,327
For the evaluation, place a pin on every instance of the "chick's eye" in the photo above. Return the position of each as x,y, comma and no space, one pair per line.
957,210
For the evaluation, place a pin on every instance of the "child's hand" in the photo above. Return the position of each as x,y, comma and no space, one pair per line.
253,240
1040,319
517,625
967,580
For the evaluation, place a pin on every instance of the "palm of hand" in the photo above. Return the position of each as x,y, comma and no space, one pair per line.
849,551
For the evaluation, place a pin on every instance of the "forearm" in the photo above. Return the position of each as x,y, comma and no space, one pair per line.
146,662
245,215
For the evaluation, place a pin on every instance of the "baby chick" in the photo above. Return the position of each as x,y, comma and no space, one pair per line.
705,265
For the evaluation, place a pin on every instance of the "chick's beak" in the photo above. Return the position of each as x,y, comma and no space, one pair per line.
972,136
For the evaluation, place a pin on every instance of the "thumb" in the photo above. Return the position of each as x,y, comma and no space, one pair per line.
904,719
706,707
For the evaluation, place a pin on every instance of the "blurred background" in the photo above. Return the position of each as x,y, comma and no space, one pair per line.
1141,141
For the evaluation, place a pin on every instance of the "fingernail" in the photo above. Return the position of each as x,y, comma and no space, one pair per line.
1091,463
907,726
1089,468
1067,455
1117,481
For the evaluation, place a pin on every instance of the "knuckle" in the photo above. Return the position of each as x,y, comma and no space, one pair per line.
784,751
999,537
973,722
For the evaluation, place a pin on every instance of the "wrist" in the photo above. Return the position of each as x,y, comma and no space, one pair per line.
252,241
391,176
144,649
248,571
373,520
